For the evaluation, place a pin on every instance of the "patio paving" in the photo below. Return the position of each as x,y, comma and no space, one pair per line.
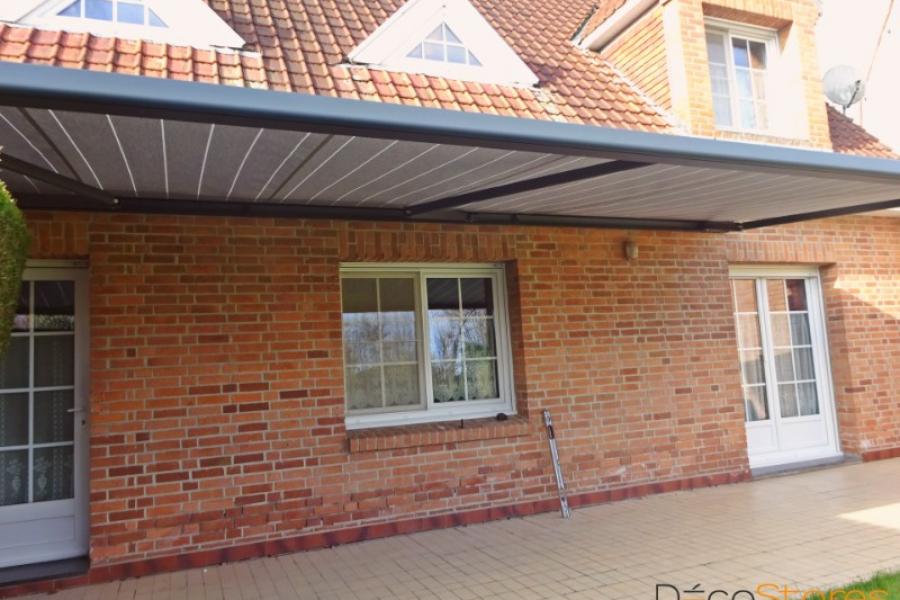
819,528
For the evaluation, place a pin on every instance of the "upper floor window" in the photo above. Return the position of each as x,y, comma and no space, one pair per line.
425,343
443,45
739,67
132,12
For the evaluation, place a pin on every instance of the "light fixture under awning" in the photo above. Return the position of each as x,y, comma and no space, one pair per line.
78,139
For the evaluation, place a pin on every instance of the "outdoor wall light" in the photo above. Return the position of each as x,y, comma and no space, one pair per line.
631,250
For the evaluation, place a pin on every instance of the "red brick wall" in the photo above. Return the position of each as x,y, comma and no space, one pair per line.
640,53
217,405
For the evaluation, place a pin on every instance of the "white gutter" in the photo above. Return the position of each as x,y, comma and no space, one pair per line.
624,16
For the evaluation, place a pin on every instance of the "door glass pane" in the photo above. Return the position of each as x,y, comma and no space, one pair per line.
52,420
739,48
749,331
20,321
757,55
781,330
803,362
715,48
13,477
796,291
788,399
784,365
757,405
52,473
54,305
775,289
54,363
800,330
752,364
808,397
14,365
745,295
13,419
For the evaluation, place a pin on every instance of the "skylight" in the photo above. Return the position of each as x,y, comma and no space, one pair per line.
443,45
131,12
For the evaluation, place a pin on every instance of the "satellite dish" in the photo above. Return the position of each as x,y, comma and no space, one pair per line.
843,86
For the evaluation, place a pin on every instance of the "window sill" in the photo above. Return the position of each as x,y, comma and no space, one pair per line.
435,434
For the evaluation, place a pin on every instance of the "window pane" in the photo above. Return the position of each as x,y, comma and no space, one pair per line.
52,420
762,116
434,51
757,55
13,419
478,335
796,291
446,338
803,359
447,381
154,20
744,83
443,297
474,61
14,364
359,295
54,360
719,76
809,401
53,469
757,407
417,52
752,366
456,54
437,35
715,48
450,36
360,321
775,288
722,108
363,387
759,85
131,13
13,477
477,296
72,10
800,330
481,379
788,400
739,48
20,321
745,295
54,305
401,385
99,9
784,365
748,114
398,320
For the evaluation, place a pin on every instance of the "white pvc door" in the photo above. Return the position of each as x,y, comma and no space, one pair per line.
43,422
784,367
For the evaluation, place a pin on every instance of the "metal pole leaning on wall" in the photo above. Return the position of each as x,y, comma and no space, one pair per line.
557,468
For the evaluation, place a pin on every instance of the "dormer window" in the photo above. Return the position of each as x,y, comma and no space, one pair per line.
443,45
131,12
739,69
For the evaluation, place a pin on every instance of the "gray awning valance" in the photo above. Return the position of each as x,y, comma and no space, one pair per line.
77,139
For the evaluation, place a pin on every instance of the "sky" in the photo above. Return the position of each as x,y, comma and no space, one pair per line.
847,35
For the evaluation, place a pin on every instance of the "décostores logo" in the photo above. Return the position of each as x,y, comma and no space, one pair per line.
765,591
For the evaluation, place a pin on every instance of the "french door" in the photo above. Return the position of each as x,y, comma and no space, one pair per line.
786,381
43,422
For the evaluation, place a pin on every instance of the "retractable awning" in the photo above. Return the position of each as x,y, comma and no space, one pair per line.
84,140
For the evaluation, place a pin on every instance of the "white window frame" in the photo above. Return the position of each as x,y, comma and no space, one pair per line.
431,411
768,37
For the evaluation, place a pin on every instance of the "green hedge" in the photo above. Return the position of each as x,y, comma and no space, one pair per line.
13,252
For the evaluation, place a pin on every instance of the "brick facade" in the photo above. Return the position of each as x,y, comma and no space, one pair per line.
217,409
664,54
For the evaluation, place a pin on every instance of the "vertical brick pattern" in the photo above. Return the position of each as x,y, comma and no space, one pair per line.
216,373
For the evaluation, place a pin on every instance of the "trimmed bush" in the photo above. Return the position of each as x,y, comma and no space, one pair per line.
13,253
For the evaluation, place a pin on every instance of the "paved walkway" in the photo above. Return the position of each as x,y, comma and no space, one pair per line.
819,528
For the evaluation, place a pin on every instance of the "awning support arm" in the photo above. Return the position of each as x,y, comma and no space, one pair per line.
822,214
16,165
518,187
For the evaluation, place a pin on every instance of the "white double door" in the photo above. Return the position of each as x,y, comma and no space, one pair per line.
43,422
786,379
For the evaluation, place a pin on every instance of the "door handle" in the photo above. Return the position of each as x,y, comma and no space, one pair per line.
75,410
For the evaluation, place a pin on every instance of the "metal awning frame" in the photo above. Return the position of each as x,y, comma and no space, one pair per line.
41,87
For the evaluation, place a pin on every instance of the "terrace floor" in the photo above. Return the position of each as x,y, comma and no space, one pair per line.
819,528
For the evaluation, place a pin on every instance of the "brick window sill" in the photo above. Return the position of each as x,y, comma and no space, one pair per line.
435,434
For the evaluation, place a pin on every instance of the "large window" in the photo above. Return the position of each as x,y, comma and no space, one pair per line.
424,343
739,66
